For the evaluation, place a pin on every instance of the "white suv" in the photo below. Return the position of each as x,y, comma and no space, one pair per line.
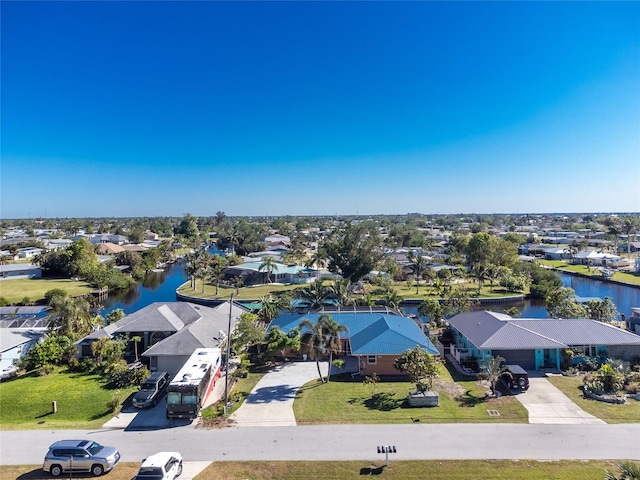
161,466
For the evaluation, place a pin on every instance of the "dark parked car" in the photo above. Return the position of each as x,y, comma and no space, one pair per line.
518,380
79,456
151,390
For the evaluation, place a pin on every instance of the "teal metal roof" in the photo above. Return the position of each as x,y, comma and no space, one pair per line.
370,333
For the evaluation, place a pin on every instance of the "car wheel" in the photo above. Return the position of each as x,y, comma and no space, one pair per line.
55,470
97,470
179,470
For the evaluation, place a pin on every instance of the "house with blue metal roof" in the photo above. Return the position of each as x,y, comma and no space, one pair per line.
374,339
534,343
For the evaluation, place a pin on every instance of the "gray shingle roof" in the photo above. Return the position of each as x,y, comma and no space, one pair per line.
489,330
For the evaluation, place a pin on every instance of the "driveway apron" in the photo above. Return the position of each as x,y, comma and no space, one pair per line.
270,403
546,404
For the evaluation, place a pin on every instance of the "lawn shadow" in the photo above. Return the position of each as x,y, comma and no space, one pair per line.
383,401
470,400
372,470
39,474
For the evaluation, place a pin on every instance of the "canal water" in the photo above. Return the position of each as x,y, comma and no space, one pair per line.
161,287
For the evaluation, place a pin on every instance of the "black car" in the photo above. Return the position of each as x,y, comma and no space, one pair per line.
516,379
151,390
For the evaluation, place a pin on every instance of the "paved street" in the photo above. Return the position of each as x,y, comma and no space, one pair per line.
348,442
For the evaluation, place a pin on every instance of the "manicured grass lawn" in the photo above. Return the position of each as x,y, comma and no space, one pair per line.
608,412
25,402
344,401
15,290
245,293
631,278
469,288
397,470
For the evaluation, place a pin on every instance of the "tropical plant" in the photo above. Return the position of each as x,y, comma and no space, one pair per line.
628,471
216,268
269,264
561,303
316,339
418,265
491,370
279,341
332,330
271,306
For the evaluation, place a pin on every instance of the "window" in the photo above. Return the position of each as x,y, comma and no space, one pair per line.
189,399
372,360
174,398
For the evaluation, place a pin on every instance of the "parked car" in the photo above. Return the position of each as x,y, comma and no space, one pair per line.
79,456
151,390
518,380
160,466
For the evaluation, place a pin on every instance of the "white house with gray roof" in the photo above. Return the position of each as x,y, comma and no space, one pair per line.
534,343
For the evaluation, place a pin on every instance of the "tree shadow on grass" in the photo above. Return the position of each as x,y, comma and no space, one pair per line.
383,401
470,399
372,470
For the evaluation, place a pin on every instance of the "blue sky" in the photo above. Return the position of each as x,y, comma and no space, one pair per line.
317,108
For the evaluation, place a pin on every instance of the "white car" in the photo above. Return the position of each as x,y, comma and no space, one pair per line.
161,466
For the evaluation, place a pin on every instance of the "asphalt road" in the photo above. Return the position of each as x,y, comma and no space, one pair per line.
347,442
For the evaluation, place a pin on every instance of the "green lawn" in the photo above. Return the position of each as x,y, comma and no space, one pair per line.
25,402
570,386
630,278
470,288
245,293
238,393
344,401
15,290
397,470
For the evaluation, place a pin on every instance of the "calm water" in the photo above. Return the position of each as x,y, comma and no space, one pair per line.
161,287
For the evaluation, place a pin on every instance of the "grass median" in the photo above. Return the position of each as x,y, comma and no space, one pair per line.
396,470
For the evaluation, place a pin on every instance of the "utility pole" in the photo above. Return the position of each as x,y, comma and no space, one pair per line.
226,375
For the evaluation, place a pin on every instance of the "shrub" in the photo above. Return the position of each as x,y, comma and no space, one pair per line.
3,302
115,404
633,388
121,377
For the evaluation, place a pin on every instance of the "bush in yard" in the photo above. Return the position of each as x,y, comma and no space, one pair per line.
53,350
121,376
115,404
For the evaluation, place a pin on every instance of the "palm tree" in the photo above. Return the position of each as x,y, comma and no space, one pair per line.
418,265
492,370
317,261
269,264
314,293
324,334
216,268
332,334
628,471
479,273
629,226
233,239
392,299
71,317
135,339
271,307
340,289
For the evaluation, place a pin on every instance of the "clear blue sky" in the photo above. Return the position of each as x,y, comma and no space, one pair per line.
275,108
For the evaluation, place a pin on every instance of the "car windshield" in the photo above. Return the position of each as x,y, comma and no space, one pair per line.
94,448
148,386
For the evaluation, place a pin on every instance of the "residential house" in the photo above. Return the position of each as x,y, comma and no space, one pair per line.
375,339
29,252
534,343
109,249
16,342
193,326
20,270
595,258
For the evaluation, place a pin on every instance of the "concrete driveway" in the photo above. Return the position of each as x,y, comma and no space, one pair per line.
546,404
270,404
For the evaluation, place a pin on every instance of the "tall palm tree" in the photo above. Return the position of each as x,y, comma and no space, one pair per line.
71,317
418,265
317,261
479,273
316,339
341,290
629,226
332,334
314,293
271,307
269,264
